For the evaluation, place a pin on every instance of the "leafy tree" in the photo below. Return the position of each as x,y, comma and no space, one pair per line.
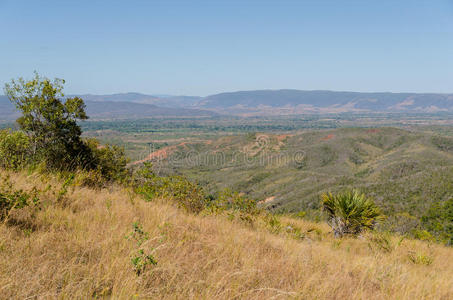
50,122
350,212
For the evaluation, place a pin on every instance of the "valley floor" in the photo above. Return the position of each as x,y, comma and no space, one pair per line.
77,247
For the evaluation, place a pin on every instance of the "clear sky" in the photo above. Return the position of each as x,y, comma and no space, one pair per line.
205,47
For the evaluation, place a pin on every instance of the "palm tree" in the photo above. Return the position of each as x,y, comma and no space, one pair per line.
350,212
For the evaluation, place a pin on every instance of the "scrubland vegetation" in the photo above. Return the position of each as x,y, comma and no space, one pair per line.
76,222
408,173
77,243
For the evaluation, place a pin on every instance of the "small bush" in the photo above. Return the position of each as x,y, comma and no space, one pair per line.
14,149
350,212
11,198
91,178
273,223
140,260
295,232
61,195
423,235
108,160
419,258
382,241
229,200
184,193
235,205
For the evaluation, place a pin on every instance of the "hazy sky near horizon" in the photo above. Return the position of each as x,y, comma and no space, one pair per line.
206,47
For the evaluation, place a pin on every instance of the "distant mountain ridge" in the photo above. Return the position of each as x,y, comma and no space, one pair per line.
287,101
111,107
296,101
159,100
259,102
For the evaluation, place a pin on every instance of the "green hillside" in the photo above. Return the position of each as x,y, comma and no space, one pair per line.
406,172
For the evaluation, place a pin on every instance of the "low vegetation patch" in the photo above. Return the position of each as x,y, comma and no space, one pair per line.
12,198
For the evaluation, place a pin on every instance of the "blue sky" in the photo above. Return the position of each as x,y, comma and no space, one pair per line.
206,47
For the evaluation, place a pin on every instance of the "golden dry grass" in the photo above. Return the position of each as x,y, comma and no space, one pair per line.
79,250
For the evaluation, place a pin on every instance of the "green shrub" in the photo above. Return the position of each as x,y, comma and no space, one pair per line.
10,198
235,205
61,195
184,193
109,160
350,212
90,178
191,196
14,149
273,223
423,235
140,259
443,143
295,232
419,258
439,221
383,242
101,163
234,201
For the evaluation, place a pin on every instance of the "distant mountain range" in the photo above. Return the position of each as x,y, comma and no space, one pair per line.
248,103
159,100
297,102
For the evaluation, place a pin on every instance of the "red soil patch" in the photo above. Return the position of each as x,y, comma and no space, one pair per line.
281,137
372,130
160,154
328,137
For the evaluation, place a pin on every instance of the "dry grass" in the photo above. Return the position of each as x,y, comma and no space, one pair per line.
79,250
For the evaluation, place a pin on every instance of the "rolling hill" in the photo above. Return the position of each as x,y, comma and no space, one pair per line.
406,172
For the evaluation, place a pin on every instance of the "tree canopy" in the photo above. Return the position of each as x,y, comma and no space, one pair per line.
49,120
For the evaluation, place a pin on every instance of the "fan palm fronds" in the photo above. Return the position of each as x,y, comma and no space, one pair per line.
350,212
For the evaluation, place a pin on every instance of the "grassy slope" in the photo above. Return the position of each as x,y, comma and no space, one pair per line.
79,250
